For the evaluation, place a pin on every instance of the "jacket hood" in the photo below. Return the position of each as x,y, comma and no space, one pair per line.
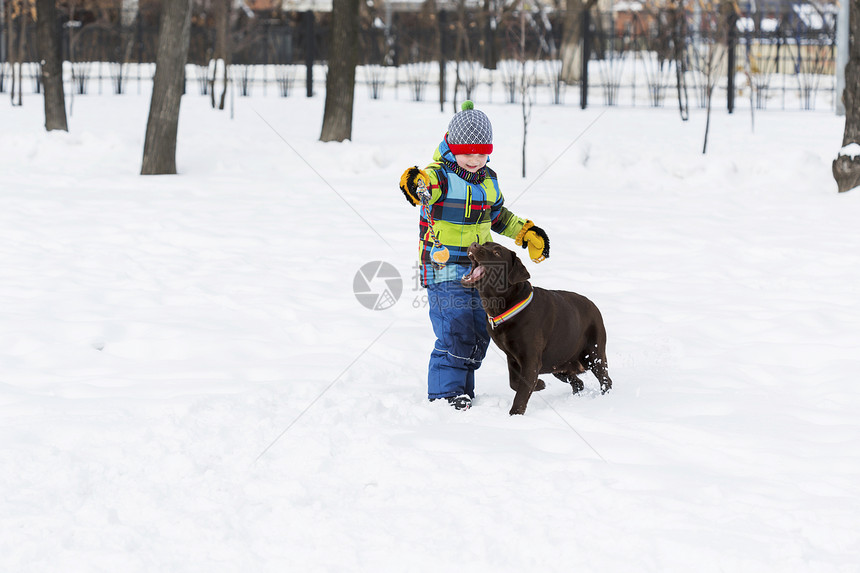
444,152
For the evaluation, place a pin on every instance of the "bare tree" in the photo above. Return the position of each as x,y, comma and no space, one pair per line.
439,20
2,43
710,54
18,12
223,53
677,38
488,20
846,166
129,15
48,40
463,57
526,79
340,81
159,148
571,42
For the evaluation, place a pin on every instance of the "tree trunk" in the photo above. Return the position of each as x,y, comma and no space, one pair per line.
489,27
48,40
846,168
129,13
571,41
3,57
462,53
222,50
18,58
441,35
340,82
8,48
159,149
678,38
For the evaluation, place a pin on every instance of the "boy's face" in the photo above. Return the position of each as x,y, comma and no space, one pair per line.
471,162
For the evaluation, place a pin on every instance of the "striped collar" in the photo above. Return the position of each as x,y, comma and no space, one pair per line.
511,312
475,178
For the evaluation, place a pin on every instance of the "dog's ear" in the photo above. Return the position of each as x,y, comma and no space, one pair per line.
518,272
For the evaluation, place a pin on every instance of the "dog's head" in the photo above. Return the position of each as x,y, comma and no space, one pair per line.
495,269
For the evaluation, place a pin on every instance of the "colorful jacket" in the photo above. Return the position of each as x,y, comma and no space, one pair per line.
464,208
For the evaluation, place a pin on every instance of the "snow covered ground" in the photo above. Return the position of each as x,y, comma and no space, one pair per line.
188,383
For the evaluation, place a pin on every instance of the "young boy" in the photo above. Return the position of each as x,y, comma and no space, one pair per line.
463,204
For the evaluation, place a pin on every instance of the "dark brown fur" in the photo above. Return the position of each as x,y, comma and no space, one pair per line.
559,332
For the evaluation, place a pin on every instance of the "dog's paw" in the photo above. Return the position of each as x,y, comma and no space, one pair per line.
539,385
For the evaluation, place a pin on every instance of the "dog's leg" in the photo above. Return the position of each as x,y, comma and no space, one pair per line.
525,378
599,367
571,378
515,380
602,375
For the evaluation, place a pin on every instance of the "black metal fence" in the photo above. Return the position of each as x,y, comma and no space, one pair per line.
641,58
645,58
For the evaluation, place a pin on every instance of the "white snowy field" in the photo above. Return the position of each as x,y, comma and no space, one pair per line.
158,334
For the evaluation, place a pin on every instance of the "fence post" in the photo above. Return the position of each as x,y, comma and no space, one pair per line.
586,56
309,52
732,38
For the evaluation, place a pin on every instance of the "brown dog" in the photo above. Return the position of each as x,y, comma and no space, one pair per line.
541,331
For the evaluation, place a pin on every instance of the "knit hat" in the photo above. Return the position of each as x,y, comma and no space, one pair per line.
470,132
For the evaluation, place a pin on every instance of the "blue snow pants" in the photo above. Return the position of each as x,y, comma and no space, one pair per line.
460,325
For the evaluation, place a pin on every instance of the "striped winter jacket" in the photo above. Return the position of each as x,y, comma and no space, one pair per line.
462,213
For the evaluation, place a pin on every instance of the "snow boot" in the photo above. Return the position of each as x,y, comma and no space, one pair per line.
461,402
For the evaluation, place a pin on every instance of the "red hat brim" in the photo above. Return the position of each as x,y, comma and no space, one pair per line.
471,148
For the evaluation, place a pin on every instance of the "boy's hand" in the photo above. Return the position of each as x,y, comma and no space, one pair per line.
536,240
409,184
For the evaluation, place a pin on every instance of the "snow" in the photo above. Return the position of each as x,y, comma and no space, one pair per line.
769,25
851,150
188,383
627,7
813,15
745,24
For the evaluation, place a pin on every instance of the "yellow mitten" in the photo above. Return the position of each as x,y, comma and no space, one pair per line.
409,184
535,239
